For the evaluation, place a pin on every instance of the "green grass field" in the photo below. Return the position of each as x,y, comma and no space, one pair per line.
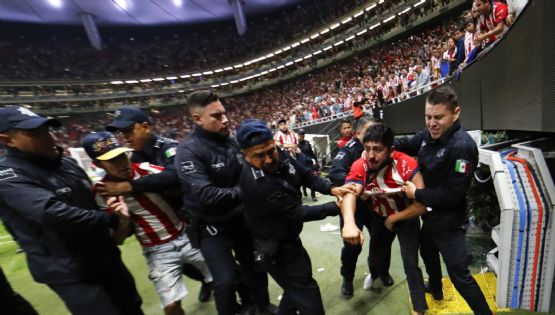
323,247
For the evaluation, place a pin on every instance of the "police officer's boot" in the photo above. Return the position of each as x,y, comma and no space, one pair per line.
347,287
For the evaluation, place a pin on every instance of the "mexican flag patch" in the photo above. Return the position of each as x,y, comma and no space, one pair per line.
461,166
170,152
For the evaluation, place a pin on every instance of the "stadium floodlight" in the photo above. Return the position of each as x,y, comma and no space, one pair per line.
307,56
269,55
244,79
277,52
234,81
158,79
317,52
359,13
180,91
324,31
289,63
171,78
305,40
122,4
286,48
350,38
214,86
264,72
419,3
131,81
381,1
370,7
117,82
237,66
295,45
334,26
178,3
218,70
208,72
56,3
347,20
280,67
389,18
314,36
228,68
299,60
145,80
362,32
328,48
223,84
404,11
338,43
272,70
374,26
198,74
185,76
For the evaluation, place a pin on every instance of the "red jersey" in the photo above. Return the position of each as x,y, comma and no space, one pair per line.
343,141
385,187
497,15
286,138
154,219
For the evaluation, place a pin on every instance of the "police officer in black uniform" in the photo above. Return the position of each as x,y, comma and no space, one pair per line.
48,202
447,157
275,215
136,128
340,167
308,159
209,164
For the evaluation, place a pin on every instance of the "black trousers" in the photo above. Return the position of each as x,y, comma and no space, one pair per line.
452,246
408,232
350,253
113,293
292,270
11,302
223,246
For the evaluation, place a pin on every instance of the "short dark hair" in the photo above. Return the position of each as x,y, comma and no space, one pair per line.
365,120
344,121
444,95
379,133
200,98
282,121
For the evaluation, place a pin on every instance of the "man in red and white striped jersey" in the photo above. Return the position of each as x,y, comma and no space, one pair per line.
380,175
286,138
154,221
491,24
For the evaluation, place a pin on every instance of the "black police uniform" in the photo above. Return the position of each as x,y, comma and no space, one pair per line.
275,216
339,170
161,151
51,208
309,160
11,302
209,167
447,165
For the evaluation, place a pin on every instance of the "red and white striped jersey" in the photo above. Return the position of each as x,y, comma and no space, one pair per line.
155,221
286,138
468,43
497,15
385,187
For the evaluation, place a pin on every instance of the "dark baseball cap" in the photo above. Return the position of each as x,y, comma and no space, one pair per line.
125,117
103,146
253,132
19,117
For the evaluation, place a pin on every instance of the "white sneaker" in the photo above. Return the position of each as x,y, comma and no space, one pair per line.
368,282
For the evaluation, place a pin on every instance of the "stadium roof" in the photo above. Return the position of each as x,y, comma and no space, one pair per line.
129,12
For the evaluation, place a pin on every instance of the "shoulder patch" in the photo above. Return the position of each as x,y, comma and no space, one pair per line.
188,167
257,173
340,156
462,166
7,174
170,152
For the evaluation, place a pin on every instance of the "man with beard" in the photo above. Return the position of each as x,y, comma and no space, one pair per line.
209,164
274,214
47,200
380,174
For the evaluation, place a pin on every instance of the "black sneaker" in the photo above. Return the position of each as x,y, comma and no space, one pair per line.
205,292
438,295
347,287
270,309
387,280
